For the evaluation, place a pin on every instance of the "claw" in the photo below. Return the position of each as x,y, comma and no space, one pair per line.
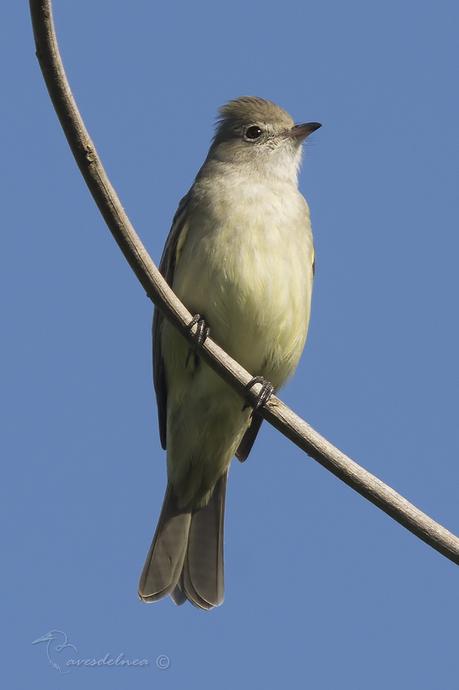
266,391
202,330
201,335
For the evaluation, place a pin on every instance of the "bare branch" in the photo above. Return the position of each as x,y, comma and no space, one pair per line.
275,412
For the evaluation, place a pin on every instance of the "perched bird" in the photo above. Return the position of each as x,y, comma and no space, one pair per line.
240,256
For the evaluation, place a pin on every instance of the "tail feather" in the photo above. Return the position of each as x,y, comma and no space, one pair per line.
186,557
165,559
178,596
202,579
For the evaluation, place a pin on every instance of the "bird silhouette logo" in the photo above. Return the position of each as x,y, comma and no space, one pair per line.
56,641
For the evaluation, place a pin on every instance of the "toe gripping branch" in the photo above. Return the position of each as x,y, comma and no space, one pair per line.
202,330
201,335
266,391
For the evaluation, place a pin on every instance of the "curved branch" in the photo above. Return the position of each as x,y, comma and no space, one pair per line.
275,412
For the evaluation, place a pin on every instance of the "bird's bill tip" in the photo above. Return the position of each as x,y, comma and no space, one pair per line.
303,130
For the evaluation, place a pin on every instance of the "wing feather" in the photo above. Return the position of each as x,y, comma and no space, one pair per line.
167,268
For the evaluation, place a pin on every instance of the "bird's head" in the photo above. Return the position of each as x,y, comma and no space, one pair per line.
260,135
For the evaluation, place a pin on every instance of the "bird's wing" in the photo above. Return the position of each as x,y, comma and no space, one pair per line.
249,437
167,268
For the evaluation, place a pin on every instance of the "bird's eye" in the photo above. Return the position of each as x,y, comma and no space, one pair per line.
253,132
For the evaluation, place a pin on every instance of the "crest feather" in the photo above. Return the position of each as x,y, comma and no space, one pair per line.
248,109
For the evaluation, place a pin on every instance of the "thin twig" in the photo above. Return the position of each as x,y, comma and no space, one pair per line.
275,412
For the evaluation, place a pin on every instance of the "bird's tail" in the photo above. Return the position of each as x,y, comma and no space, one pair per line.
164,563
186,556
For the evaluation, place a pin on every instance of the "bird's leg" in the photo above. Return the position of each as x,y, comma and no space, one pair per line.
266,391
201,335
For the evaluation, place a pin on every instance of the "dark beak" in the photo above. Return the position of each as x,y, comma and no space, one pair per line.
304,130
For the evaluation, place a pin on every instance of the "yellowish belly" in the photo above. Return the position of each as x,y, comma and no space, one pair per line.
254,289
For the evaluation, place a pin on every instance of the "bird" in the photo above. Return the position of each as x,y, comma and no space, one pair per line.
240,256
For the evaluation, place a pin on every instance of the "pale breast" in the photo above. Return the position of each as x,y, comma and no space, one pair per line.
246,265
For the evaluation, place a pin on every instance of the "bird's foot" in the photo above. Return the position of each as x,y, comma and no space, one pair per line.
266,391
200,336
202,330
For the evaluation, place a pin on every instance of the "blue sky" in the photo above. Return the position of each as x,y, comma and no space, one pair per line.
322,589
